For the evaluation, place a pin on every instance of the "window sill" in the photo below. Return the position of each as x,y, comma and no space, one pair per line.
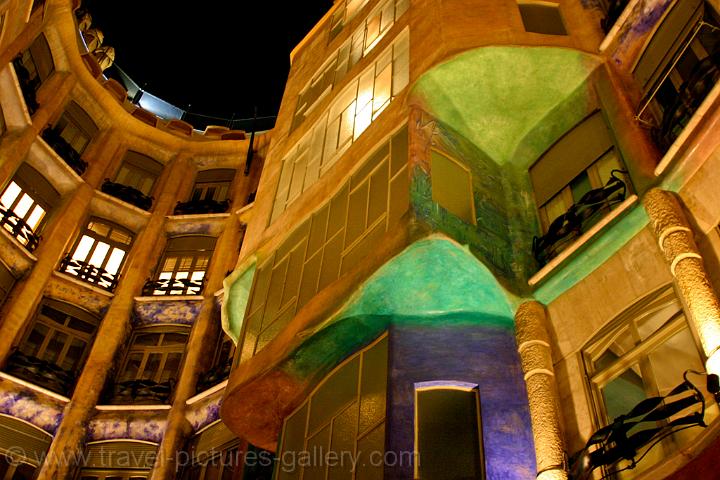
72,279
584,238
167,298
124,408
19,245
116,201
689,129
202,395
198,216
614,32
33,387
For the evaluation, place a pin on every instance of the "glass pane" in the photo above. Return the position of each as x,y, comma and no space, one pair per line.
672,358
115,260
81,326
317,443
654,321
74,354
24,472
132,367
83,248
10,194
38,213
23,206
371,448
32,345
624,392
152,367
99,228
174,339
120,237
146,339
373,386
337,391
344,432
98,256
171,367
580,186
54,347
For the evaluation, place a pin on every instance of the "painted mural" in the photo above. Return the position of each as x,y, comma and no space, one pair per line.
146,425
158,312
43,411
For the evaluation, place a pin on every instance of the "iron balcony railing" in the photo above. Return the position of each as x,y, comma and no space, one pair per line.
89,273
127,194
214,376
142,392
18,228
28,86
41,372
579,218
194,207
64,150
173,286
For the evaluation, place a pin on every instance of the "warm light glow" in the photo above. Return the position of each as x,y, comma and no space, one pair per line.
23,205
99,254
11,193
362,120
713,363
114,262
83,248
36,217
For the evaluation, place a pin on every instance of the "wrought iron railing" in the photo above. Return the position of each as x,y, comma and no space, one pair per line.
142,391
64,150
201,207
614,9
579,218
40,372
18,228
89,273
173,286
629,437
28,86
214,376
127,194
691,94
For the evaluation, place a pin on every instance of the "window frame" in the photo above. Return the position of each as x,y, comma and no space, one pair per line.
221,178
157,349
201,243
76,118
138,168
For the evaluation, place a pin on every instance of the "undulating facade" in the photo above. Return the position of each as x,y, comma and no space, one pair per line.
481,241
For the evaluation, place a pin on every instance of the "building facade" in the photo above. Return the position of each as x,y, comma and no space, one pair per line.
481,241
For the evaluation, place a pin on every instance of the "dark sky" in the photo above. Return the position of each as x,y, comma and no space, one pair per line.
222,58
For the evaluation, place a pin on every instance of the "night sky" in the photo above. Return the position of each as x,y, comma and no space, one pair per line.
222,58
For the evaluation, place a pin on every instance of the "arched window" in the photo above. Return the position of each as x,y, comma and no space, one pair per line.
151,365
55,347
643,353
182,269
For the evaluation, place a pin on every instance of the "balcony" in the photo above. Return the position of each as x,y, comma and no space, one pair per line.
214,376
142,392
28,86
18,229
127,194
195,207
64,150
173,286
41,373
579,218
88,273
613,9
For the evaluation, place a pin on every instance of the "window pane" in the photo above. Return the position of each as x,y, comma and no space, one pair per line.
132,367
35,217
172,366
115,260
99,254
174,339
74,354
10,194
152,366
83,248
54,347
23,206
32,345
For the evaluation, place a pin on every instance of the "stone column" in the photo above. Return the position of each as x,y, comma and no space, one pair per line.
675,237
69,439
536,359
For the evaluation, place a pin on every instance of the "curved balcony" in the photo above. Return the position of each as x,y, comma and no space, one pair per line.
89,273
214,376
127,194
141,391
200,207
18,229
41,372
579,218
173,286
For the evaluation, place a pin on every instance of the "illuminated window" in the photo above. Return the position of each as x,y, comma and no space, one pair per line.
343,14
354,109
345,413
183,266
361,43
542,17
643,353
212,185
138,171
99,253
579,178
25,203
678,68
61,336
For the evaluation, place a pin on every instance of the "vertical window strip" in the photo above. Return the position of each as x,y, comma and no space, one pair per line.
352,112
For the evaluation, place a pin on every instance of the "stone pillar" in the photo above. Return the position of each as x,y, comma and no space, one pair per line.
675,237
536,359
69,439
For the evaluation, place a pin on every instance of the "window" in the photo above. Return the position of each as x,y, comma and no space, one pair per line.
99,253
183,266
36,61
344,13
578,179
138,171
345,413
358,105
25,203
76,127
22,448
12,469
448,439
212,185
117,460
220,366
678,68
361,43
7,281
452,186
214,453
542,17
642,353
55,347
151,365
